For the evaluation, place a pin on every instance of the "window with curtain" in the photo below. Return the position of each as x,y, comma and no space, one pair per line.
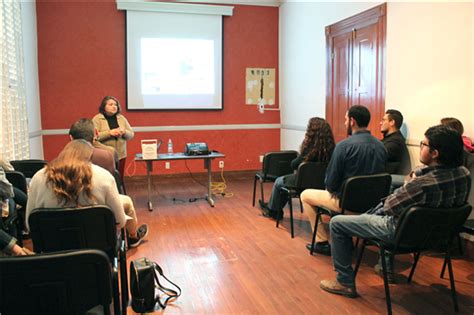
14,140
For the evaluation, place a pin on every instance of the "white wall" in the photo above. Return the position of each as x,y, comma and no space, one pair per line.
303,62
429,63
30,50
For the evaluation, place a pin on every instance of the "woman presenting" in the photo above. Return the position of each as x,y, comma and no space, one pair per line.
113,129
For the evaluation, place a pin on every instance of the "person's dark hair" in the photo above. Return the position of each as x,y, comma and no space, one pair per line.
396,116
82,129
453,123
318,143
360,114
104,101
448,142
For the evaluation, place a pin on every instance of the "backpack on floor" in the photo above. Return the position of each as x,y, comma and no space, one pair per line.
144,279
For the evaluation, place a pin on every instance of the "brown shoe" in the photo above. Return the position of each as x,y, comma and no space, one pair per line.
333,286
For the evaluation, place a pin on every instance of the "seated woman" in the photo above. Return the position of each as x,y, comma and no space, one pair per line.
71,180
317,146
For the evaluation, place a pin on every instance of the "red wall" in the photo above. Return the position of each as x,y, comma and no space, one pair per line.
81,58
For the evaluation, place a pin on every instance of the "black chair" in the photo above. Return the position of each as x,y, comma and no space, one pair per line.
70,282
119,183
28,167
18,180
392,167
77,228
468,228
308,175
359,194
420,229
275,164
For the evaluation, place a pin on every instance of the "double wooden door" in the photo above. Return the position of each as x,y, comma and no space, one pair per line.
355,68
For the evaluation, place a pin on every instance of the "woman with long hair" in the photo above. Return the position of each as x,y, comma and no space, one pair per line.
71,180
317,146
113,129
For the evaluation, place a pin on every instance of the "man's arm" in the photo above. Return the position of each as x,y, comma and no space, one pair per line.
335,170
404,197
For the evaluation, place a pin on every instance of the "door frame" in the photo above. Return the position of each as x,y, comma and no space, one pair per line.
376,15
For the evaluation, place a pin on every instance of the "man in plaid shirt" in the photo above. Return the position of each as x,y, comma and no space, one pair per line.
443,183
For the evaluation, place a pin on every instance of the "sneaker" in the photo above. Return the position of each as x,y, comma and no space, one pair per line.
333,286
322,248
142,232
390,275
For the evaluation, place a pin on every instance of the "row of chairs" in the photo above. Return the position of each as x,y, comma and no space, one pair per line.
418,228
57,230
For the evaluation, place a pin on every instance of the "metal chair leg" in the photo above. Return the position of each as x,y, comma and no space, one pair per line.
451,279
416,256
359,259
254,189
313,241
261,191
278,216
290,201
385,282
301,204
443,269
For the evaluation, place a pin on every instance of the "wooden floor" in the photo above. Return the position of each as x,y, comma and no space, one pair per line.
230,259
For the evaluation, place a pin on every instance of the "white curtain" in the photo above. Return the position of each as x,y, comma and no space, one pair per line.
14,142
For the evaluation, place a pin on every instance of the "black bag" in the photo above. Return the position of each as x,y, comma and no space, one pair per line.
144,278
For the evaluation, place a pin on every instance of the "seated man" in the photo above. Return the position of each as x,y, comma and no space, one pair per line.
84,129
394,141
444,182
360,154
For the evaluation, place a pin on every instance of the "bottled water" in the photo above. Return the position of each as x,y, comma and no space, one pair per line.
170,146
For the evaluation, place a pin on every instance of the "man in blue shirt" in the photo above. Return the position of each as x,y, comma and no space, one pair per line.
442,183
360,154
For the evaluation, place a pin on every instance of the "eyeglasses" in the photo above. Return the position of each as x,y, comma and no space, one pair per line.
427,145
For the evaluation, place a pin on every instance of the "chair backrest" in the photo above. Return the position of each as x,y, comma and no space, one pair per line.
70,282
360,193
28,167
426,228
55,229
392,167
119,183
18,180
310,175
276,164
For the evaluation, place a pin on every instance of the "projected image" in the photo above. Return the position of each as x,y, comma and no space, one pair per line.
177,66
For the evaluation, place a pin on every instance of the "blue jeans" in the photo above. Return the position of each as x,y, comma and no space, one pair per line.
344,227
277,200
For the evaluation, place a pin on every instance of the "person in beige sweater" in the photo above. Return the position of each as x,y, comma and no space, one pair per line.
113,128
71,180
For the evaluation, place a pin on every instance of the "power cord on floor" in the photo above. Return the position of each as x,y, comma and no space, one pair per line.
218,188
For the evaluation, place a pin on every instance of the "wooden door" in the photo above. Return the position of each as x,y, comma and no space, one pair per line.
355,49
340,75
